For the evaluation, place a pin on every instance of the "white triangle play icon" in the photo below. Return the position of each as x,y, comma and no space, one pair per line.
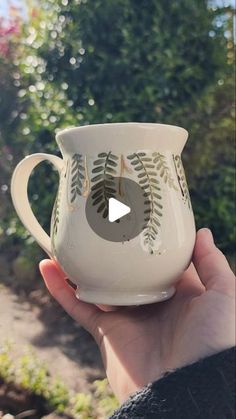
116,210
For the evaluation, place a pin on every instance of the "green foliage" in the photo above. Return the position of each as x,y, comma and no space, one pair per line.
134,60
59,395
219,206
81,62
6,368
107,402
29,372
32,374
210,160
82,406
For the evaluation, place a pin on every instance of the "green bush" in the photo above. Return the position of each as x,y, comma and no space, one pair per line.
83,62
82,406
6,367
106,401
59,395
30,373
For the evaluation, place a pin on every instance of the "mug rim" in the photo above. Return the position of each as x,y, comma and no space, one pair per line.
80,128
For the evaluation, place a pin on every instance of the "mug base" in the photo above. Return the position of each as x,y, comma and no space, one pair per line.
122,298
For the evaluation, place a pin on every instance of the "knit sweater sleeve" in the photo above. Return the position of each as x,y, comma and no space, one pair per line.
205,389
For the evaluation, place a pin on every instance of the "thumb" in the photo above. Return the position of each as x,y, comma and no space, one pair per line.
211,265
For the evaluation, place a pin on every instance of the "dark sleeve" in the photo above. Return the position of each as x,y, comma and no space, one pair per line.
205,389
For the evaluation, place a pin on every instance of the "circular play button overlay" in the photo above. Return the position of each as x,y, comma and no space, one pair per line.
117,209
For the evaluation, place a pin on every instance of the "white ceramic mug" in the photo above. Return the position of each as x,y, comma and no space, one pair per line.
144,269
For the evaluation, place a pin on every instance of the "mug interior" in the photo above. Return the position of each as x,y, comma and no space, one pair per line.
121,137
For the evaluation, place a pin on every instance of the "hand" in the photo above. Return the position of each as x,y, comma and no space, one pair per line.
139,344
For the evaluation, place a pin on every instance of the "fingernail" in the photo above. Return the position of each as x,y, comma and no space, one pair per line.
209,234
41,264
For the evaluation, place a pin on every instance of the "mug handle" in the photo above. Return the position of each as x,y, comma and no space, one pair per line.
19,185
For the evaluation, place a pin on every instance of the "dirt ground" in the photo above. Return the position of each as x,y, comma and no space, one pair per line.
32,318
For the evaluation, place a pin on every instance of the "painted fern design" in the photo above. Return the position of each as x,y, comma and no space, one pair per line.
55,212
182,180
55,221
77,176
104,171
164,170
147,177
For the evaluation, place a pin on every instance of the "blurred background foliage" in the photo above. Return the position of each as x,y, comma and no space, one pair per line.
78,62
31,375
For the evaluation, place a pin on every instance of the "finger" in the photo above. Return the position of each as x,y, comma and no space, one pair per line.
189,283
211,265
106,308
58,287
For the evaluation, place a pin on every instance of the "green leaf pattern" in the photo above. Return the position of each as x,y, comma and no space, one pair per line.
103,173
150,170
182,180
77,177
55,212
149,182
164,169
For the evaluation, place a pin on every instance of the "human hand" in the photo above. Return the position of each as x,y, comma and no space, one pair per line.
139,344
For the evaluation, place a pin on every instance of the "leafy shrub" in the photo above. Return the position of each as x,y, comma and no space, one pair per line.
6,364
29,372
107,402
32,374
82,406
59,395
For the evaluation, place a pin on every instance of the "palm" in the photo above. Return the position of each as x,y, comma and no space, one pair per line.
139,344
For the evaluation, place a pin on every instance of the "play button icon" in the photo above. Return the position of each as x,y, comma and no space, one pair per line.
116,210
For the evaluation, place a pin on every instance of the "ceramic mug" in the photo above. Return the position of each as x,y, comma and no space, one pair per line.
144,269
